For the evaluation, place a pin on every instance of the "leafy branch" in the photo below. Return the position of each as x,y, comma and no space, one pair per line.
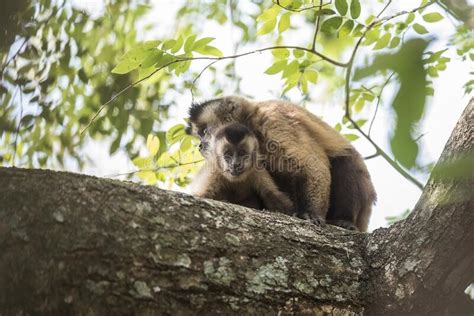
178,164
321,5
348,65
215,59
379,150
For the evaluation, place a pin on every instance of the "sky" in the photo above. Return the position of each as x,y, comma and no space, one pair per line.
395,193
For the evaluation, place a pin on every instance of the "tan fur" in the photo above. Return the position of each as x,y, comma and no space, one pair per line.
255,188
306,147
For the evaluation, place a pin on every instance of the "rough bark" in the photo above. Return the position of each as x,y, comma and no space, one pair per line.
423,264
74,244
82,245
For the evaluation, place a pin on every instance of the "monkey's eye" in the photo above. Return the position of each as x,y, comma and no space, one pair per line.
228,156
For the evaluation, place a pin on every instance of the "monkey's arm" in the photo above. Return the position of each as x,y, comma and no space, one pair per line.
273,199
206,184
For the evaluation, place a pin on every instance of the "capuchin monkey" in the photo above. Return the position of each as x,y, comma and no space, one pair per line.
232,172
321,172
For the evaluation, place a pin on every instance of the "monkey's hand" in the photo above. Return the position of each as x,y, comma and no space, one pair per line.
277,201
315,219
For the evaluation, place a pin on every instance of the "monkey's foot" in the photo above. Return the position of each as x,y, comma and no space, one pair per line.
314,219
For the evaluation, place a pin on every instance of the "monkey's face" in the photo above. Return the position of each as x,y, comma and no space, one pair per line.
236,162
206,118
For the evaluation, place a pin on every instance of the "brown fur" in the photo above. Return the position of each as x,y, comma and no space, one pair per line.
255,188
316,166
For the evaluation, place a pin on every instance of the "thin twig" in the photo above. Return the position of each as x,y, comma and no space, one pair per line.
347,114
372,156
304,8
17,132
379,98
133,84
13,56
178,60
388,18
384,8
153,169
316,30
198,76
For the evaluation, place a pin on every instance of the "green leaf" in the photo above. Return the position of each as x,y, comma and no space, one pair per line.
409,101
82,75
152,59
177,45
276,67
298,53
269,14
169,44
331,24
383,41
436,56
341,7
150,44
175,134
346,28
359,105
311,76
395,42
153,144
143,162
325,12
372,36
351,137
267,27
432,72
355,9
410,18
303,85
209,50
124,67
189,44
420,29
432,17
291,69
361,122
201,43
186,143
281,53
284,23
149,177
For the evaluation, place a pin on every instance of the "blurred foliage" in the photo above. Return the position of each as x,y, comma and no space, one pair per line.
60,66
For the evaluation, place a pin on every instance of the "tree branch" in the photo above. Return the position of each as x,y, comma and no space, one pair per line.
178,60
75,244
347,114
422,265
321,5
316,30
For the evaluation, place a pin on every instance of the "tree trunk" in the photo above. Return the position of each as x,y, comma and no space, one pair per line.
74,244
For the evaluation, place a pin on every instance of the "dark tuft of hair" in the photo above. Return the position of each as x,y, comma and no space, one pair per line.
197,107
234,132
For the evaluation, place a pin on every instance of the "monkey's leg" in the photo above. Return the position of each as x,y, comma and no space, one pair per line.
314,185
273,199
352,192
